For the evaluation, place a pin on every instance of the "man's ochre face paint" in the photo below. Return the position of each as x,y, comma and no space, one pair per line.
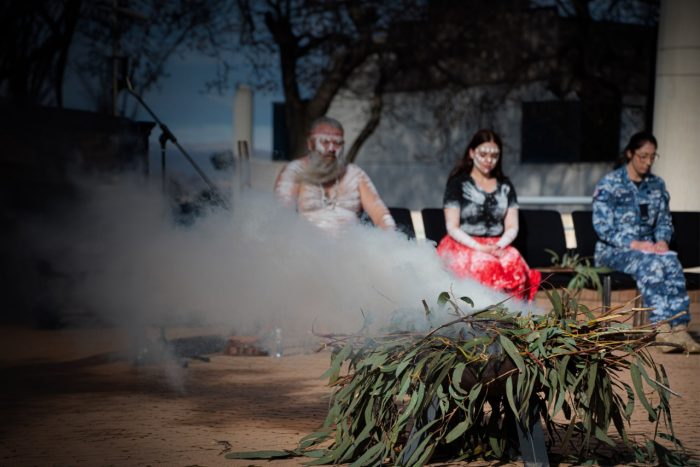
326,144
327,141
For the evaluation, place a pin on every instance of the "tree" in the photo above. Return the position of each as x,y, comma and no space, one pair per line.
362,47
36,38
142,35
321,47
135,38
317,49
376,47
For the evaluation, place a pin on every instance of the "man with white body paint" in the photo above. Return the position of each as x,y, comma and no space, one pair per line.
327,190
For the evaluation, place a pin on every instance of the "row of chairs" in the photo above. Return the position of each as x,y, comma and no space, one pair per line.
543,229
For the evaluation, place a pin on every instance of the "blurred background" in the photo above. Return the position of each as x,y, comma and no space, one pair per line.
202,97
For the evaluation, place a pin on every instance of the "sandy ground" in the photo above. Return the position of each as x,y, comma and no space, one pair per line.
74,397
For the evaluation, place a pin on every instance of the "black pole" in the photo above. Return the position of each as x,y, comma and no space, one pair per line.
167,135
163,140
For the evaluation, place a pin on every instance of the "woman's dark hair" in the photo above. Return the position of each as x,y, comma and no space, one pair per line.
636,141
480,137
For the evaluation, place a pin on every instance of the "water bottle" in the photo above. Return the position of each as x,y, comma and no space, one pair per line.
278,342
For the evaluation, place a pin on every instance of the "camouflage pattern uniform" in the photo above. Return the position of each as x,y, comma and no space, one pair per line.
622,212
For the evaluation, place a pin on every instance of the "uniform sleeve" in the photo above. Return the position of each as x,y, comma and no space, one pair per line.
453,192
663,230
604,221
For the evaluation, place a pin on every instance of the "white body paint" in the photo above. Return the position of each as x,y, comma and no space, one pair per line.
337,206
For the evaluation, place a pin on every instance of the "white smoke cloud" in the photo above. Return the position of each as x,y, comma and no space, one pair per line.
246,271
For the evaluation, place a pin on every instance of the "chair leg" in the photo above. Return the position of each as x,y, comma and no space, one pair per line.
533,448
607,291
641,317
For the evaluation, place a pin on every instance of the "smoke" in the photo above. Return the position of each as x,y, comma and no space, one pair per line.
246,271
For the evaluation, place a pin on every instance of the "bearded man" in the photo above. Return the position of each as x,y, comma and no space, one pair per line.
325,188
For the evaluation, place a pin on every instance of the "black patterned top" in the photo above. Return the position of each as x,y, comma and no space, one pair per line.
481,213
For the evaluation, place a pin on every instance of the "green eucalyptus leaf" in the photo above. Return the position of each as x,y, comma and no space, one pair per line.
334,370
372,456
592,371
425,439
639,389
314,438
511,397
568,365
458,431
405,384
496,446
468,301
556,302
404,363
512,352
316,453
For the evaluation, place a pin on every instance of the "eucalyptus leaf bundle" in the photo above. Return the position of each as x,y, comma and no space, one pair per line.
459,391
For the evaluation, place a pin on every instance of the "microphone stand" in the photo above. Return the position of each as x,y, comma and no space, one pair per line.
167,135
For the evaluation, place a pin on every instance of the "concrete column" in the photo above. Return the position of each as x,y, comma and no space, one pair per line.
677,102
243,132
243,117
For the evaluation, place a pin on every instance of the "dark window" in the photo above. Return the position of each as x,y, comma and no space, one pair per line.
280,142
570,131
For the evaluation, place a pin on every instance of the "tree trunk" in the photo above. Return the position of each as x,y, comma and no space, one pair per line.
297,127
375,116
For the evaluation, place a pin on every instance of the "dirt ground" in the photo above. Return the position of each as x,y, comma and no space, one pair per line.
74,397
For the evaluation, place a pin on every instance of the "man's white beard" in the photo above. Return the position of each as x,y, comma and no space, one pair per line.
322,170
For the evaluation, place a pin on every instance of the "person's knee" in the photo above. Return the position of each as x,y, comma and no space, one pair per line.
511,256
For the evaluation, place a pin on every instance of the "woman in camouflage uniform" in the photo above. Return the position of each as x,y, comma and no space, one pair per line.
632,218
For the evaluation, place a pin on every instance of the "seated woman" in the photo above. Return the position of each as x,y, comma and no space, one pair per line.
632,219
481,216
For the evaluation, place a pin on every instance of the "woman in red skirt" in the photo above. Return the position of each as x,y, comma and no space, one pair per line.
481,216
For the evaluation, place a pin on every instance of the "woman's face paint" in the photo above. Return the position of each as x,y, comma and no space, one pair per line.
485,157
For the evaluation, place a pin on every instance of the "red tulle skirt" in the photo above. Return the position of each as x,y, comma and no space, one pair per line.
509,273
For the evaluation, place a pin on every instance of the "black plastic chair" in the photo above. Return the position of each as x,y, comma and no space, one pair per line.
586,238
404,223
686,241
434,224
541,230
